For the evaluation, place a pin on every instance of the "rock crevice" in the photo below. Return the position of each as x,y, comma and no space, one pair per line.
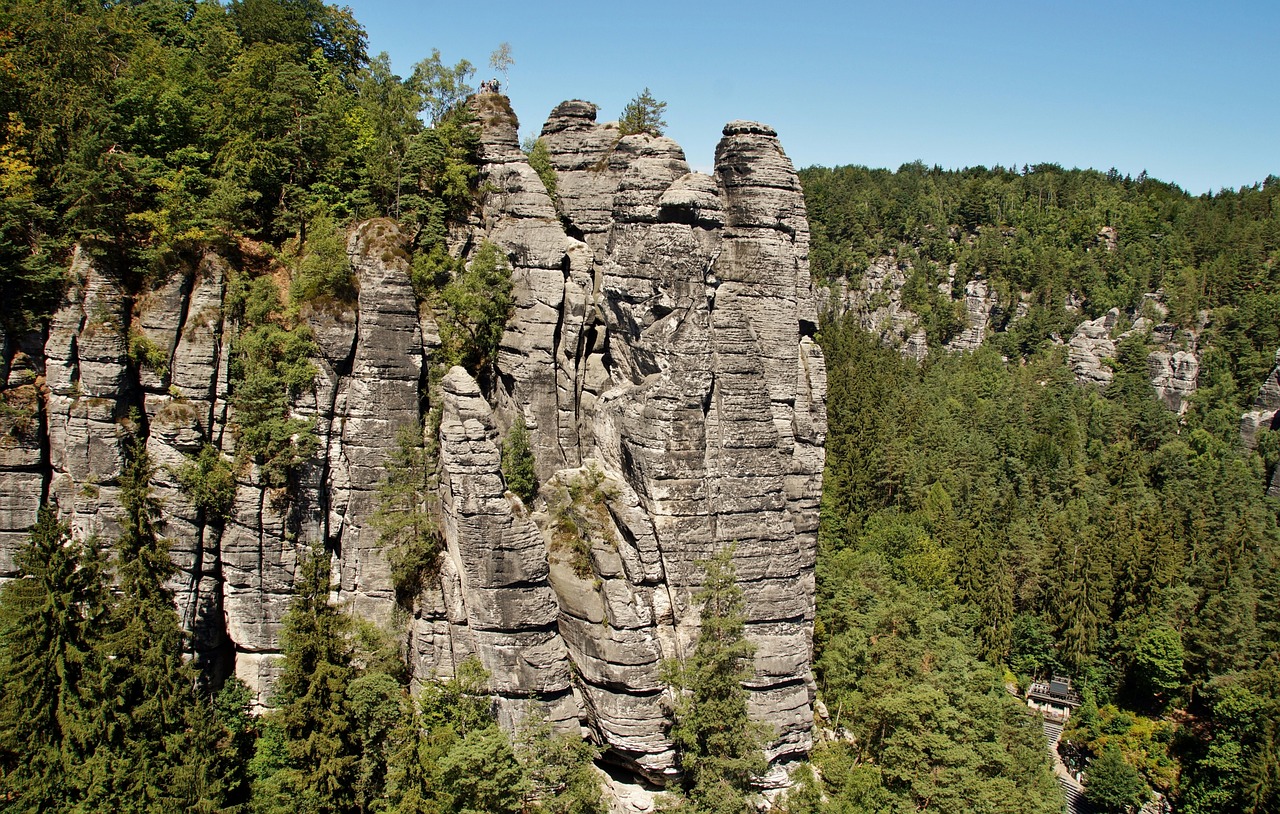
660,353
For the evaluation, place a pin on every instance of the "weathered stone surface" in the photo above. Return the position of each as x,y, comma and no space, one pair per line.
499,558
1090,344
660,352
979,307
697,396
1265,409
1173,375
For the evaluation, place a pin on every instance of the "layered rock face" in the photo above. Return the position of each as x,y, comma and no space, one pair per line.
661,355
676,317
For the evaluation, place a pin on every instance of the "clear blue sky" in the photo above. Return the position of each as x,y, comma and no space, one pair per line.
1188,91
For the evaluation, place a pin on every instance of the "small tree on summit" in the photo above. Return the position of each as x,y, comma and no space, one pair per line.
643,114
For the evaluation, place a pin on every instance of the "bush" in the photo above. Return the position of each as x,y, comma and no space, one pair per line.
540,161
207,479
518,462
323,270
145,353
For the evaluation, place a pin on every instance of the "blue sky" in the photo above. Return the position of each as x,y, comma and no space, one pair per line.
1190,92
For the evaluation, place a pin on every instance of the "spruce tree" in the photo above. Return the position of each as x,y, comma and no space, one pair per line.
720,747
149,732
314,768
50,619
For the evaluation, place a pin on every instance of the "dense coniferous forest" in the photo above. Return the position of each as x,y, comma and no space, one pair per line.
985,518
1051,527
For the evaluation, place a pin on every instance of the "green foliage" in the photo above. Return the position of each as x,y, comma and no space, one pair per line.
208,481
153,741
540,160
1045,232
440,172
560,773
443,88
51,621
308,758
930,724
518,468
643,114
1233,766
431,270
145,353
270,367
1114,787
323,270
99,709
1059,528
406,516
475,307
1157,661
719,746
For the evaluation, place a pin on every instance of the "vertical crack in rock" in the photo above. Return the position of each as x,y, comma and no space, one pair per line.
661,354
706,428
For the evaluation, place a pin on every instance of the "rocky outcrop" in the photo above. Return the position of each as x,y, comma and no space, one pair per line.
1173,365
1265,408
876,299
678,311
979,309
661,354
1091,348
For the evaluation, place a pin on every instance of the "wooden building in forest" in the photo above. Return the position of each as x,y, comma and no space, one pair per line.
1054,699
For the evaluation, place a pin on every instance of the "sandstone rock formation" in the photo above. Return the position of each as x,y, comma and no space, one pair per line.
875,298
1265,408
661,354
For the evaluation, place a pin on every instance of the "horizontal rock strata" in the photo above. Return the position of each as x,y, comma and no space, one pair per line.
661,354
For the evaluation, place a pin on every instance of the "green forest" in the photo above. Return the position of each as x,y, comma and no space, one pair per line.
985,521
1016,522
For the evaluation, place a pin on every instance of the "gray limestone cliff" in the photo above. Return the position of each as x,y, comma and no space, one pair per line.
661,354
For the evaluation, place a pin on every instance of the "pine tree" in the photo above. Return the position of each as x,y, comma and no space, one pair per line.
50,620
720,747
642,114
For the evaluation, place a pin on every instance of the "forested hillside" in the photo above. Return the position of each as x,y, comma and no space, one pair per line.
1059,527
142,130
985,518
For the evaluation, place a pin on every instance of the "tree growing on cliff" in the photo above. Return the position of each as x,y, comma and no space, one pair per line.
501,61
719,745
406,524
476,305
518,463
643,114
